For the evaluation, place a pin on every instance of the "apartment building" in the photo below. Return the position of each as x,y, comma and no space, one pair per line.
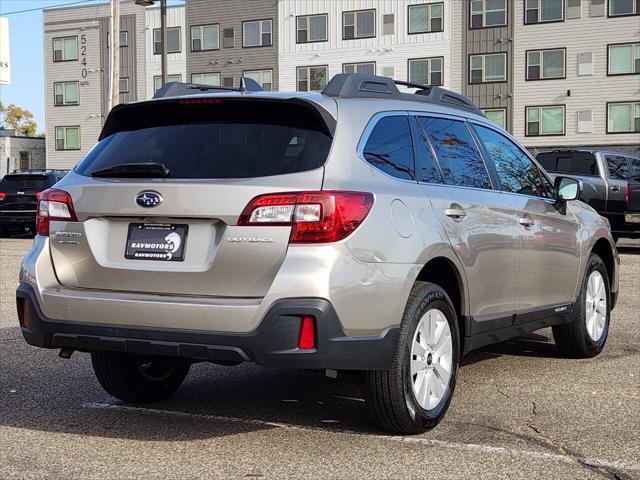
404,39
77,72
228,39
577,74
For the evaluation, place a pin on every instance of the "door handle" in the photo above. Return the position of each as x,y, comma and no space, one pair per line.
526,221
456,212
615,188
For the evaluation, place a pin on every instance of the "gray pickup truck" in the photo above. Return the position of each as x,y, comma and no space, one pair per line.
611,184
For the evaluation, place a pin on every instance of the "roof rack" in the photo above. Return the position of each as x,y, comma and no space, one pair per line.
37,170
358,85
180,89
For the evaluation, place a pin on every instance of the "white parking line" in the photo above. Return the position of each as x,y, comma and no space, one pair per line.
470,447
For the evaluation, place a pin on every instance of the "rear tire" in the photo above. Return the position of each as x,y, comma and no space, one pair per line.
414,394
587,333
138,379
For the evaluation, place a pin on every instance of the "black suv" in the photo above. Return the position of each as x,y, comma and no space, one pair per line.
19,195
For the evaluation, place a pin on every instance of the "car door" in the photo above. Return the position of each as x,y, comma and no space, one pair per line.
550,242
477,218
617,171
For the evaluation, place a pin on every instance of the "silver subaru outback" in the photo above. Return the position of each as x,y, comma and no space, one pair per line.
362,228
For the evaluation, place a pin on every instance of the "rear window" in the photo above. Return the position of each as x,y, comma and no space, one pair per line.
229,139
39,182
577,163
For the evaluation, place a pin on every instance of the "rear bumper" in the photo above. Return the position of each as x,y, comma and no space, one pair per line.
272,344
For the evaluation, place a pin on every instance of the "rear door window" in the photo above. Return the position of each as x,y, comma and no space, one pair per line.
216,139
516,171
389,147
618,167
457,153
576,163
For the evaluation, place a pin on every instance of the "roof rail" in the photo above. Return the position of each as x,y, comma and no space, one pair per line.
180,89
358,85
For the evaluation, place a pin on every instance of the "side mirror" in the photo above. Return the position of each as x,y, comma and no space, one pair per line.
567,188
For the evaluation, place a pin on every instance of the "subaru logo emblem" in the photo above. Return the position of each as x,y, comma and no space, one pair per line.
149,199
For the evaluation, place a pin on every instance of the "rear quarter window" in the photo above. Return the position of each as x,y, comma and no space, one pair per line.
576,163
389,147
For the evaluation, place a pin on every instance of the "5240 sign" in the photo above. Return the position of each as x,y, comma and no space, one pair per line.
83,55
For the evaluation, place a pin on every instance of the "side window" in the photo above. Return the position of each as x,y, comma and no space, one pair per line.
427,169
517,172
389,147
618,167
634,163
459,158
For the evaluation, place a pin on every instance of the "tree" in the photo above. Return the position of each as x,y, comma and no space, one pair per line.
18,119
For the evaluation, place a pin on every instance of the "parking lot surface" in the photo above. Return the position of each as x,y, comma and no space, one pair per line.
520,411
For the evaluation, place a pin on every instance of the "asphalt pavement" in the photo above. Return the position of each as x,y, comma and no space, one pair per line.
519,411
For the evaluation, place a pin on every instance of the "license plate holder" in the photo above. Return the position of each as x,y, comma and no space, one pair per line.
156,241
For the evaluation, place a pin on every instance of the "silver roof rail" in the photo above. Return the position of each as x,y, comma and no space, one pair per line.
180,89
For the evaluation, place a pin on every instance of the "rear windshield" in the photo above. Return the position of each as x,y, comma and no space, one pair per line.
229,139
39,182
577,163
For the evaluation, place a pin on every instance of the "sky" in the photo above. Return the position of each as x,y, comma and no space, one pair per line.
27,60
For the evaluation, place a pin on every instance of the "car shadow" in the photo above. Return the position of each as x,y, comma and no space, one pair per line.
532,345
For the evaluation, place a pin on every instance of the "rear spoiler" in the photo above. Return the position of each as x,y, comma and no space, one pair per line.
123,116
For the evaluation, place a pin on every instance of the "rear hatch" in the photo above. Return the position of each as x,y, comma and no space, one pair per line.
18,192
158,198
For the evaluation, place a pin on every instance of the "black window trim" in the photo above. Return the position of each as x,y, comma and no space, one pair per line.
426,32
308,16
375,65
55,138
609,45
506,114
526,64
375,26
608,132
542,22
506,18
53,50
325,65
483,54
191,50
409,60
77,82
204,73
619,16
267,19
564,121
153,36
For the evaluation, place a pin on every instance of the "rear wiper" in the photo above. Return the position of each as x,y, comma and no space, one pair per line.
134,170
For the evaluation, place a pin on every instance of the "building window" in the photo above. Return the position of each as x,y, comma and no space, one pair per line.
624,59
123,85
65,49
540,11
542,121
229,37
311,78
546,64
173,40
157,81
68,138
388,24
256,33
623,117
488,13
426,18
488,68
426,71
212,79
311,28
360,24
205,37
624,7
124,38
263,77
497,116
65,93
368,68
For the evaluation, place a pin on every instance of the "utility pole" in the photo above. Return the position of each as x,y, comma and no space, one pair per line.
163,33
114,84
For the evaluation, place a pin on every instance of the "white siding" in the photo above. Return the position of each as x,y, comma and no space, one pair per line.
588,92
176,62
391,50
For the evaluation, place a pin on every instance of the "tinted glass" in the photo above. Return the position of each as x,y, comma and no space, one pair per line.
634,163
459,158
216,140
389,147
618,167
39,182
427,169
577,163
516,171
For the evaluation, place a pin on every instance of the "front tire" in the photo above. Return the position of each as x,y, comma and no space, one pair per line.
415,393
138,379
586,335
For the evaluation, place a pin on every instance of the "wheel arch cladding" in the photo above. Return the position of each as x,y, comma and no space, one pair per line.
603,249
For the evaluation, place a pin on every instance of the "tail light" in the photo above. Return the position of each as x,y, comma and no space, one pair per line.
38,195
2,195
627,195
315,217
307,339
54,204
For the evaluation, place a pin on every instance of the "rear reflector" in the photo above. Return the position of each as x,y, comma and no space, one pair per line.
54,204
627,195
307,340
315,217
2,195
